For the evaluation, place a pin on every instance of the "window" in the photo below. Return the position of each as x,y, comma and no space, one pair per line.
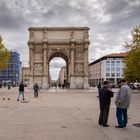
107,63
112,74
117,74
113,63
107,74
117,63
117,69
113,69
107,69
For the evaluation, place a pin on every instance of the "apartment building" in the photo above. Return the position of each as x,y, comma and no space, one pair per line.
109,67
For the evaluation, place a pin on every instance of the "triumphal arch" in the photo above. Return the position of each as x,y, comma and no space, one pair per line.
69,43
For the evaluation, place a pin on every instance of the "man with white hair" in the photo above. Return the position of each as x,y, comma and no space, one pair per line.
122,103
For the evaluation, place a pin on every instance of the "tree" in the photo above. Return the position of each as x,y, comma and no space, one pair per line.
4,56
132,61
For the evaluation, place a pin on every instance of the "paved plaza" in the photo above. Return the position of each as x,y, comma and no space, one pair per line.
62,115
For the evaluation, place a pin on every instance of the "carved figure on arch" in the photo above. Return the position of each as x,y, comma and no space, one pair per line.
79,56
45,34
79,69
38,69
72,34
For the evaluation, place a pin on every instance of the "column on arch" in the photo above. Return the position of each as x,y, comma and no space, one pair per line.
31,57
45,67
72,83
86,84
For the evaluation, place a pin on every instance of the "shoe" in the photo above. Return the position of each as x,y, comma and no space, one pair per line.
18,100
106,125
100,124
23,99
118,127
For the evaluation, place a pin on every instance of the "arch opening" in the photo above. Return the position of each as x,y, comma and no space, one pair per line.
58,70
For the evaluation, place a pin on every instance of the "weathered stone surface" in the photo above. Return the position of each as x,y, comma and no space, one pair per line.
70,43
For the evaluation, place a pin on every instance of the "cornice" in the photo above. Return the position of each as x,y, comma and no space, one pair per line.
58,42
58,28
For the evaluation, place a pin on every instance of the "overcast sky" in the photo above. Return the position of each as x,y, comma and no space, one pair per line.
110,22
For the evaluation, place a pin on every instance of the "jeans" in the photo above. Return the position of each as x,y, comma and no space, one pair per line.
122,118
21,93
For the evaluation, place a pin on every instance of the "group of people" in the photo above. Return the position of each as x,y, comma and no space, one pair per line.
21,90
122,103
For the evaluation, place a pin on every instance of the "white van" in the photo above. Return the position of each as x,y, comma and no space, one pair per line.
136,85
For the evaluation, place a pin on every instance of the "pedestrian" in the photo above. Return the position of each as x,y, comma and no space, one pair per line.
122,103
104,99
21,91
36,88
99,86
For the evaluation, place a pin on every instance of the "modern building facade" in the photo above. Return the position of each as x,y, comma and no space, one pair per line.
12,73
109,67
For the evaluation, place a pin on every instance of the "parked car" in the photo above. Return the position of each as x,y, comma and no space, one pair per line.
113,86
135,85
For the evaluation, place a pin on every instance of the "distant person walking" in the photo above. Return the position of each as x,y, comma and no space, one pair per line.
21,91
122,103
99,86
104,99
36,88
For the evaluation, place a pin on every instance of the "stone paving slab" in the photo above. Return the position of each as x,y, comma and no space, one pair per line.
61,115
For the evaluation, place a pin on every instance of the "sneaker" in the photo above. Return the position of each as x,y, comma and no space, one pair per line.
106,125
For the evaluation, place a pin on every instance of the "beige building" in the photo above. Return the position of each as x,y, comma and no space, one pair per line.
62,76
109,67
25,75
69,43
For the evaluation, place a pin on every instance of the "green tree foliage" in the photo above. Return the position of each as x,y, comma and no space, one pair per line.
4,56
132,61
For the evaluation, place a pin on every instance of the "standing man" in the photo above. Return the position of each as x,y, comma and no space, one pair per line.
122,103
104,99
36,88
21,91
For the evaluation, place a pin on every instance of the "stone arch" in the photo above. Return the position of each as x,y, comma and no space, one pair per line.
58,54
70,43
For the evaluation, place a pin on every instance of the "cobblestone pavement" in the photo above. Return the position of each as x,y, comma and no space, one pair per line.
62,115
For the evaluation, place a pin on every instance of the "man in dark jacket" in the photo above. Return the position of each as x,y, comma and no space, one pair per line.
21,91
104,99
36,88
